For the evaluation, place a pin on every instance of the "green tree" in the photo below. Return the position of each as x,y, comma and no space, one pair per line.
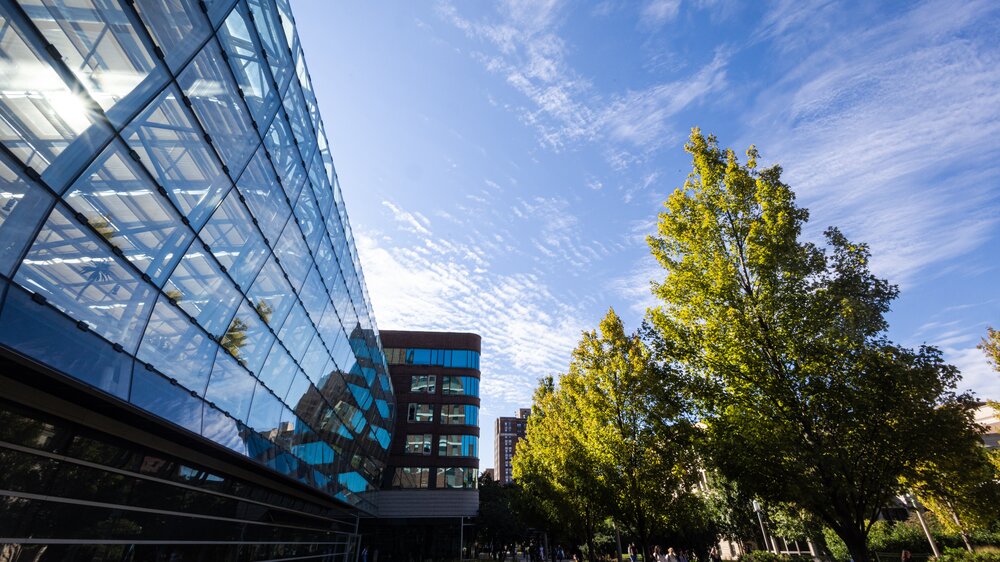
554,468
805,400
633,422
991,347
235,337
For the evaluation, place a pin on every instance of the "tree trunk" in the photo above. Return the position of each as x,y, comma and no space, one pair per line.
856,542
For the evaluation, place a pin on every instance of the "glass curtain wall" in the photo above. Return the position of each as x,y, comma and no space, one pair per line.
172,231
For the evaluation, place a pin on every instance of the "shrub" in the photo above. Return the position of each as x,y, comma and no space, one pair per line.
765,556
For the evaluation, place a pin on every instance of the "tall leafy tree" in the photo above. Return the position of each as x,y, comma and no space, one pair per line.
634,424
805,400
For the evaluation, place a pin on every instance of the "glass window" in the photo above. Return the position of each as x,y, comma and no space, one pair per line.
298,118
122,205
244,58
81,277
177,26
459,414
230,387
309,219
273,40
42,333
22,207
207,83
99,43
418,444
294,255
458,446
424,383
285,156
39,115
203,291
351,415
313,295
315,359
234,241
155,394
458,477
288,25
247,337
361,395
303,397
265,410
176,347
173,150
278,370
271,294
223,430
464,386
321,186
411,477
420,413
296,332
260,187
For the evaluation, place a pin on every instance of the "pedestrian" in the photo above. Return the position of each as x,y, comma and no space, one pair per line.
906,556
671,556
658,555
364,554
633,554
713,555
682,556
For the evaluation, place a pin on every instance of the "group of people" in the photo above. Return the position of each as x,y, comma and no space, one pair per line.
670,555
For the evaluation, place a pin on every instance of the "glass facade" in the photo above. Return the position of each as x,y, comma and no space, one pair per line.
172,231
450,358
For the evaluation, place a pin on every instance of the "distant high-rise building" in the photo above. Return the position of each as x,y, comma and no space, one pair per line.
508,432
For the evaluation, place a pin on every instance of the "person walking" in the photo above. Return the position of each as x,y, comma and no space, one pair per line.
671,556
906,556
633,554
714,556
658,555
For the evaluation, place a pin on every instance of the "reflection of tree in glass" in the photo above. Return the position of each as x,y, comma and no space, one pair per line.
94,272
174,295
236,337
264,310
103,227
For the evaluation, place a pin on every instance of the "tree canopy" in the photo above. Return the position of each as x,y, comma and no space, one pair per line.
805,400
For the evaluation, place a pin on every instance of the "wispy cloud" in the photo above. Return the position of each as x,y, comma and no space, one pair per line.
412,222
890,131
562,105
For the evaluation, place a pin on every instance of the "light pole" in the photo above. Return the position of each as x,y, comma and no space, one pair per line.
763,530
923,524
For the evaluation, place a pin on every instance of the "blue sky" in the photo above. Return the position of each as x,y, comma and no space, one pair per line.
503,162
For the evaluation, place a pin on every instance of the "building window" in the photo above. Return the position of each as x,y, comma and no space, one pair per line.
463,386
457,477
458,414
418,444
453,358
458,446
420,413
411,477
426,384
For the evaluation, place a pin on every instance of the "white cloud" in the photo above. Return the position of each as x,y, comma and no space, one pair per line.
657,12
890,132
412,222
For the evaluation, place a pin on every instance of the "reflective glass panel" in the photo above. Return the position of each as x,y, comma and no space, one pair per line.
79,275
411,477
424,383
271,295
230,387
272,39
247,337
39,114
285,156
314,360
418,444
155,394
245,60
297,331
176,347
294,255
459,414
298,118
458,446
264,196
171,147
278,370
22,208
310,221
234,241
207,82
203,291
177,26
465,386
99,43
313,294
421,413
459,477
122,205
265,410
